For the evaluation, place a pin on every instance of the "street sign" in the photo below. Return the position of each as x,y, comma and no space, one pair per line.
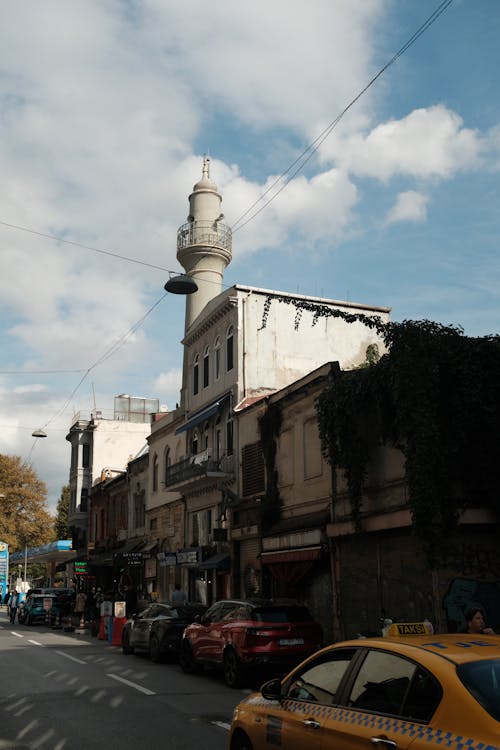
4,568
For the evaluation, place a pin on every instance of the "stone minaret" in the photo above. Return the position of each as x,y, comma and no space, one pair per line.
204,244
204,251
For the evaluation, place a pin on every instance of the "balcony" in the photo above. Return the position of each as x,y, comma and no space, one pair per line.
206,233
198,469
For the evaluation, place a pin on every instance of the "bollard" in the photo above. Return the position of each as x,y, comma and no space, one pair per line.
118,623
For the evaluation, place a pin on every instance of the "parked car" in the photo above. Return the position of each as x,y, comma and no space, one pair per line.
242,636
35,609
158,629
418,691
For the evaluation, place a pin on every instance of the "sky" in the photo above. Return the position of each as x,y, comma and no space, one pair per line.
107,110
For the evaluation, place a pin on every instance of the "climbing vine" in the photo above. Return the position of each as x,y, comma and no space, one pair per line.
269,429
435,395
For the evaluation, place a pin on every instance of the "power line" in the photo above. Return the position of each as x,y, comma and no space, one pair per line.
308,153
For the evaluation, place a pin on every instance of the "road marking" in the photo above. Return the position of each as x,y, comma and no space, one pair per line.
131,684
35,643
18,635
222,724
73,658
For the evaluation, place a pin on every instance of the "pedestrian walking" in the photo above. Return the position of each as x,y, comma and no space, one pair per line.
178,596
13,605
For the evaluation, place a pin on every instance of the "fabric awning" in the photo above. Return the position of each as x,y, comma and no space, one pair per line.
216,562
203,414
291,555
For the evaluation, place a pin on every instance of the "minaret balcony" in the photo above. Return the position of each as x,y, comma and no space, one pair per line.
206,233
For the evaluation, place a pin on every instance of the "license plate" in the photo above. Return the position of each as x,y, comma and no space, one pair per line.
291,641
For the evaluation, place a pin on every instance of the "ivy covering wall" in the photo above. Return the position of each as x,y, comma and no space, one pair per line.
435,395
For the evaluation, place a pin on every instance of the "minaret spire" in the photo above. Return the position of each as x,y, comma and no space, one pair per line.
204,243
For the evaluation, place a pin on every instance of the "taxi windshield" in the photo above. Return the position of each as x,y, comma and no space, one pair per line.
482,680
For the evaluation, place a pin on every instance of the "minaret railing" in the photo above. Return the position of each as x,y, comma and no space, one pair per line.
209,233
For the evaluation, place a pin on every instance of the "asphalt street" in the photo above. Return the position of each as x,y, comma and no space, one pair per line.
63,690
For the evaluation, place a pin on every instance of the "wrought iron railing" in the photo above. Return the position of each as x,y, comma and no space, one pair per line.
211,233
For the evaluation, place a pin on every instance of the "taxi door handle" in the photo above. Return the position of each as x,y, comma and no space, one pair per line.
384,742
312,724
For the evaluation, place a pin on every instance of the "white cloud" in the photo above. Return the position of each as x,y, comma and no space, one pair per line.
168,385
409,206
427,143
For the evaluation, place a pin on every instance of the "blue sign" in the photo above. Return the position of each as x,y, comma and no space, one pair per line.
4,568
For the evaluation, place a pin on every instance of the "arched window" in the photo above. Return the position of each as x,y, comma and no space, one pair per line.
166,465
230,349
206,367
196,374
155,473
217,358
229,437
218,440
205,436
194,443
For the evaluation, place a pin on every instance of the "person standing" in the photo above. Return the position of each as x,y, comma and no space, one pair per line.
13,605
178,596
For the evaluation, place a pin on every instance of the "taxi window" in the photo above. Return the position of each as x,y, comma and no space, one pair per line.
482,680
389,684
320,681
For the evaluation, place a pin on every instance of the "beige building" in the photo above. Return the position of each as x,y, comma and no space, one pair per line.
240,344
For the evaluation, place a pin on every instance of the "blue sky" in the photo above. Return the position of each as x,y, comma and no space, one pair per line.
106,112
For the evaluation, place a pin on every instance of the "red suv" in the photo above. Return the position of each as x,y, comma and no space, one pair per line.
242,636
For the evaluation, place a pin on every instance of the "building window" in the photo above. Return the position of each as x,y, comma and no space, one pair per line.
166,465
155,473
229,437
205,436
206,367
153,524
86,456
217,359
84,496
194,443
218,440
230,349
196,374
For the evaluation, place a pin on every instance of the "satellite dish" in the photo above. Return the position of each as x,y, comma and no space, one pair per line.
181,284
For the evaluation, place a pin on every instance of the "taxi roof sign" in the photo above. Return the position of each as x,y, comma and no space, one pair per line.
400,629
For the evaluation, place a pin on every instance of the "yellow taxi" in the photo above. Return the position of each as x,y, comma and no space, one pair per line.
411,688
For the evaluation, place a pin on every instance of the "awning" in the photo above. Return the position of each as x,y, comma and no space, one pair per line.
56,552
151,547
217,562
291,555
203,414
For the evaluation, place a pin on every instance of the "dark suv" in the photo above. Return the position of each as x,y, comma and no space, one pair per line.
245,635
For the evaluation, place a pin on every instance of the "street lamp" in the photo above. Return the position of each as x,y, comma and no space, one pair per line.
181,284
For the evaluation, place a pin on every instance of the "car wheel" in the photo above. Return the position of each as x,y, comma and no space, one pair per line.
186,658
233,670
240,741
155,653
126,647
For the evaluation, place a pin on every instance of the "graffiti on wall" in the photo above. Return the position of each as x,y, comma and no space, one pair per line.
464,593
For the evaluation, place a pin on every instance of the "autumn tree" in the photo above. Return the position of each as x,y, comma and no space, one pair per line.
24,517
62,510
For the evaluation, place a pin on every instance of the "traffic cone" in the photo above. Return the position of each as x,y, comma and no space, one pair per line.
118,623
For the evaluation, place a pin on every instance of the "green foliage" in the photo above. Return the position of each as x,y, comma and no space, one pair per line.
434,396
24,518
61,522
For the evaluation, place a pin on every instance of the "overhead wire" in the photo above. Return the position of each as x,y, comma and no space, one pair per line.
311,149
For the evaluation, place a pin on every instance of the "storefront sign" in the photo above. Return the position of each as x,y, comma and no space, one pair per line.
166,559
150,568
81,568
4,567
119,609
190,556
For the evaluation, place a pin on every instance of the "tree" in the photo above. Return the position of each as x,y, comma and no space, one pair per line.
62,510
24,517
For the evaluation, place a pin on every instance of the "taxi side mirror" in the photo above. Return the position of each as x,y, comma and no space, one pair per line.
271,690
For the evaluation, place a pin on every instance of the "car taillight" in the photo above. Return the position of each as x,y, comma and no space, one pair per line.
257,632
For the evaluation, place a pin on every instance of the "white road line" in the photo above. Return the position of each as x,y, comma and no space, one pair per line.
73,658
35,643
18,635
131,684
222,724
